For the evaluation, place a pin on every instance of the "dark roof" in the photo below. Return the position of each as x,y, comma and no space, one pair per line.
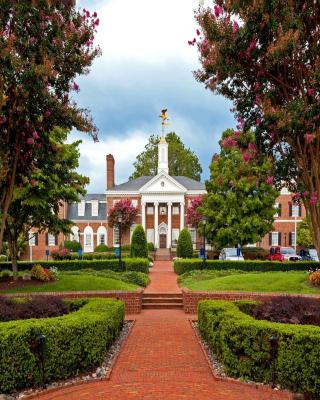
136,184
102,211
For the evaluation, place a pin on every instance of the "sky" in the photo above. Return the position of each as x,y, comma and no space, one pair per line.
146,65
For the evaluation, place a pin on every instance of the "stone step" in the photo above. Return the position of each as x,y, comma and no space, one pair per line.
162,306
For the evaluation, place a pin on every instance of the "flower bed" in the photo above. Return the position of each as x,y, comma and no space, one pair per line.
189,264
74,342
243,344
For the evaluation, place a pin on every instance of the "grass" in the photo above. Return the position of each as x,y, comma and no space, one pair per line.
231,280
78,282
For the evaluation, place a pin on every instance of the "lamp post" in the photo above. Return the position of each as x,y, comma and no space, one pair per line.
274,340
80,249
120,234
204,222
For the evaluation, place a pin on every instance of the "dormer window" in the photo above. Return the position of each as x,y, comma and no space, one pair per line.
162,183
81,208
95,208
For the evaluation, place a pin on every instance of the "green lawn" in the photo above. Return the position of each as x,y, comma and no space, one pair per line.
78,282
289,282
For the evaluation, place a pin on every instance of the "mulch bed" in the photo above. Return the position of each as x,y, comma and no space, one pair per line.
8,283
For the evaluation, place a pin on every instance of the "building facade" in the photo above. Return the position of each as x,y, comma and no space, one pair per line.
162,203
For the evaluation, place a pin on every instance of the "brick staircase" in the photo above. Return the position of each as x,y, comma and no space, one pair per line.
162,301
163,255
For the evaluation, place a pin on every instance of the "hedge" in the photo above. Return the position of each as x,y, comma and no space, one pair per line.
184,244
131,264
139,246
186,265
75,343
242,343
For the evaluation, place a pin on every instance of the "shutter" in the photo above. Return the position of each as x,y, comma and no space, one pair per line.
290,238
280,209
47,239
56,240
300,210
36,239
270,238
279,239
290,209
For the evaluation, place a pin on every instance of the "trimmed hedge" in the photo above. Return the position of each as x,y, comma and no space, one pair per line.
131,264
74,343
139,246
186,265
184,245
242,343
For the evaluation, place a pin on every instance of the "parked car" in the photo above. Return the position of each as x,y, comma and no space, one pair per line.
289,254
309,255
275,254
230,254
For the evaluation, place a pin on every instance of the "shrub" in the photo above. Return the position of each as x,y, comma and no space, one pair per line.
74,343
254,253
314,277
139,247
290,310
61,254
37,307
72,245
151,246
101,248
98,256
39,273
184,246
182,266
3,258
243,345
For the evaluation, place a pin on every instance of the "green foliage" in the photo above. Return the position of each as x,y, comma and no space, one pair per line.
131,264
182,161
74,343
101,248
151,246
72,245
184,245
239,205
182,266
243,345
139,247
304,235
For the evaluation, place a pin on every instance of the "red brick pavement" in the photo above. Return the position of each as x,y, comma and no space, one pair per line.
161,360
163,279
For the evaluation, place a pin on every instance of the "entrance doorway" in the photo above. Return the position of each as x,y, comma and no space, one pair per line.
163,241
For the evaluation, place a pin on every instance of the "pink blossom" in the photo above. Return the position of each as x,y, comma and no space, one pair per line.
258,121
314,199
75,86
246,157
47,113
30,141
198,32
235,27
3,120
95,14
33,182
35,135
297,195
97,22
309,137
237,134
217,10
88,14
269,180
229,142
257,86
252,147
306,193
310,92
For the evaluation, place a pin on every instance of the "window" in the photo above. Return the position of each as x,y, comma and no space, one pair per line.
81,208
134,203
32,239
175,235
274,239
175,210
150,235
51,239
101,235
192,232
292,239
277,206
87,239
75,233
95,208
150,210
102,238
163,210
116,236
295,210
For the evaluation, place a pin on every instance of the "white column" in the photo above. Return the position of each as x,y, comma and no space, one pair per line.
181,216
156,225
143,215
169,235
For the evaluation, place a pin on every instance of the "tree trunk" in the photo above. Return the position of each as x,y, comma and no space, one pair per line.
13,248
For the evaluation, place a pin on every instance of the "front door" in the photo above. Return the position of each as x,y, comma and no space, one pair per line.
163,241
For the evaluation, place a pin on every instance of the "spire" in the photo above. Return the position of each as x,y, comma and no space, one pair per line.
163,145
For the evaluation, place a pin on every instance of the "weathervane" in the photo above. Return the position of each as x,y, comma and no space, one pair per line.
164,118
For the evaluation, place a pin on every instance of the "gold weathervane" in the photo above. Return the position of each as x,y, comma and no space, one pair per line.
164,118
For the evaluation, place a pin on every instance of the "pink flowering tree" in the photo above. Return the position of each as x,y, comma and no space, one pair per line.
126,210
44,46
265,57
193,214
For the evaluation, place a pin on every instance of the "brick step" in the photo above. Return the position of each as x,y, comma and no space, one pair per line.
153,295
163,258
162,306
163,300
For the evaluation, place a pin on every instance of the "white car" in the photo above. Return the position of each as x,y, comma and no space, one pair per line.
289,254
230,254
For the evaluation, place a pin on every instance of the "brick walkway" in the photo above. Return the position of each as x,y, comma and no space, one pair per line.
162,359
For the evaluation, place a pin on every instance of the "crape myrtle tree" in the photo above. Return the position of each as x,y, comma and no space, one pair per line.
44,46
265,57
181,160
194,216
124,209
239,204
37,203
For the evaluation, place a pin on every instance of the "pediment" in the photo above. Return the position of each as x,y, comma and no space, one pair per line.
163,183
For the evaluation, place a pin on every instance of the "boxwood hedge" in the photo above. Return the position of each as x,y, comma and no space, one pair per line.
74,343
131,264
186,265
243,345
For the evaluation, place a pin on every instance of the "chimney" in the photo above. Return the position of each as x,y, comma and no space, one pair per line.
110,171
